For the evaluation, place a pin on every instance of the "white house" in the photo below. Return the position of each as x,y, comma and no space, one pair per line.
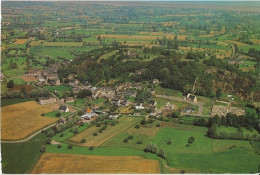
139,106
63,108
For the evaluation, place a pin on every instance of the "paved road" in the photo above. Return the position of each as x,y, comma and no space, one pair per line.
199,104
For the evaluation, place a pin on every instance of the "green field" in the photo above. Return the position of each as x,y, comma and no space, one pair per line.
169,92
21,157
111,131
234,130
78,102
104,151
20,61
68,134
117,141
235,160
179,139
54,52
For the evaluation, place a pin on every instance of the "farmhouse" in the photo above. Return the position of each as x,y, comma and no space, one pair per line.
139,106
130,93
69,99
155,81
33,73
188,110
88,116
46,100
63,108
168,109
113,116
119,101
73,82
104,92
52,76
76,90
54,82
152,104
139,72
192,98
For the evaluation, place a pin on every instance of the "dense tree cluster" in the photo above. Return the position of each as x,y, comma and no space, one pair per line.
35,93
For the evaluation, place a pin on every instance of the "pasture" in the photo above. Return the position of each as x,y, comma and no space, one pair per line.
234,160
146,130
65,163
20,158
111,131
179,139
118,141
169,92
21,120
161,102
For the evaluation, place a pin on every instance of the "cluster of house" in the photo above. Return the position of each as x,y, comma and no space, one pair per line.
47,76
91,113
117,95
221,110
47,100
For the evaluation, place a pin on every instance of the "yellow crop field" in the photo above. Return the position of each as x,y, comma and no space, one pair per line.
141,37
151,33
21,120
111,131
181,37
63,44
35,43
237,43
206,36
255,41
72,164
20,41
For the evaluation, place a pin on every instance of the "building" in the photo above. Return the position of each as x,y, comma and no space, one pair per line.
155,81
63,108
46,100
152,104
69,99
104,92
76,90
113,116
188,110
192,98
33,73
139,106
130,93
88,116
